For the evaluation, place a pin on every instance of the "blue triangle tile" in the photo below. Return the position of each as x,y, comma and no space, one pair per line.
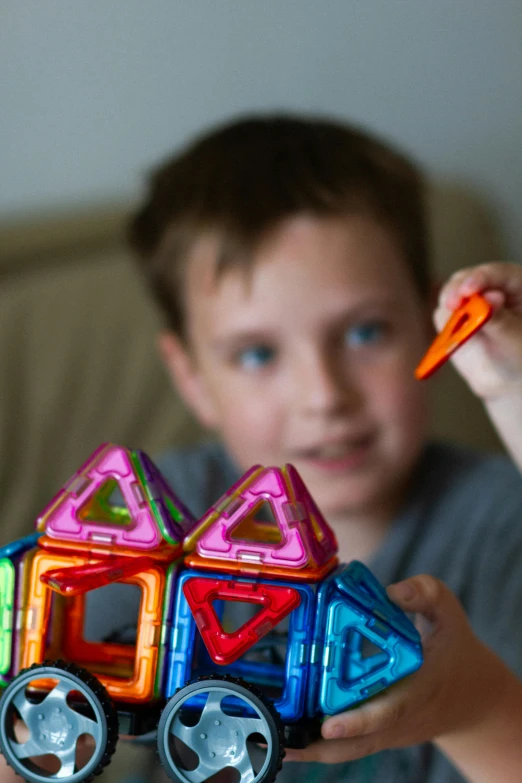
357,582
347,676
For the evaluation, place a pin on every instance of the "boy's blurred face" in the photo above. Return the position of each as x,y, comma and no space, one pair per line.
309,359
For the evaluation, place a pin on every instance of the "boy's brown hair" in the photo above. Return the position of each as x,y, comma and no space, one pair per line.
240,180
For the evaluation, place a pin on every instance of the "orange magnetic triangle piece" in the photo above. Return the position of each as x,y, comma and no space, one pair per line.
467,319
165,552
276,601
75,580
251,570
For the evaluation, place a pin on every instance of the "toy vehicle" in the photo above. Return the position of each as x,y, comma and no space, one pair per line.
229,688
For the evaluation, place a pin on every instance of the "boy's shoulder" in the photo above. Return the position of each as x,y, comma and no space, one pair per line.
472,540
455,470
465,505
466,462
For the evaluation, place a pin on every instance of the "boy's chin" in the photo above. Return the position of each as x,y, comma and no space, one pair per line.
354,500
373,489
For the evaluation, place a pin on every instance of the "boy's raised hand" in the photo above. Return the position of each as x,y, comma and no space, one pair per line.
449,700
491,362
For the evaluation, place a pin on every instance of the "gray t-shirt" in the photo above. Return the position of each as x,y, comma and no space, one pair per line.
461,522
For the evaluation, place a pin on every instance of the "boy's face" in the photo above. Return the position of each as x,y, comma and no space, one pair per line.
309,359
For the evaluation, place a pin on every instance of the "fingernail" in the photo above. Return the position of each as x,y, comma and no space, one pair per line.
334,732
469,285
405,591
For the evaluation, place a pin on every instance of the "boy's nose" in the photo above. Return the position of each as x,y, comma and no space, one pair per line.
322,386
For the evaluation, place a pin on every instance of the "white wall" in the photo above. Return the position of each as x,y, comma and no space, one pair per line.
93,92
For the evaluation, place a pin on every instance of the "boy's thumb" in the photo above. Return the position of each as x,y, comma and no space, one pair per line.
424,594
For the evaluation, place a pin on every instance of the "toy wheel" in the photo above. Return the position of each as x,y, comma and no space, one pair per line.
214,725
44,711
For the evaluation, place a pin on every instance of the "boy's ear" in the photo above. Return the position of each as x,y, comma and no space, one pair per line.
185,377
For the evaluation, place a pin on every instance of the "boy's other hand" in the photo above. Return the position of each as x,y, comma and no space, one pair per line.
491,361
452,692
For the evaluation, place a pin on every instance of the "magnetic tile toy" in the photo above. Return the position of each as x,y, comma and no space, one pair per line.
468,318
246,624
82,511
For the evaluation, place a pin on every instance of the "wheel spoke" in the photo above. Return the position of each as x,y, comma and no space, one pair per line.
27,749
182,732
201,773
253,726
60,691
213,703
86,725
21,703
244,766
68,759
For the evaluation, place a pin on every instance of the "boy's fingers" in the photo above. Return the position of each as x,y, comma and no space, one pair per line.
426,595
502,278
496,299
450,294
337,751
380,714
440,317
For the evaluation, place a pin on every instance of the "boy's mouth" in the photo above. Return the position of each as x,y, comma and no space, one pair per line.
338,455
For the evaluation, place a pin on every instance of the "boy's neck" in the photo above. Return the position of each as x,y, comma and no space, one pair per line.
359,535
358,540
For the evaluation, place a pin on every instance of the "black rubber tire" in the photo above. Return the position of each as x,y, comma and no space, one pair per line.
92,689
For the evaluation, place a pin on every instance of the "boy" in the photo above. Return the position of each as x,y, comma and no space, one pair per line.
290,259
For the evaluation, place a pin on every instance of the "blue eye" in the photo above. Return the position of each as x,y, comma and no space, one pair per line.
255,357
365,333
